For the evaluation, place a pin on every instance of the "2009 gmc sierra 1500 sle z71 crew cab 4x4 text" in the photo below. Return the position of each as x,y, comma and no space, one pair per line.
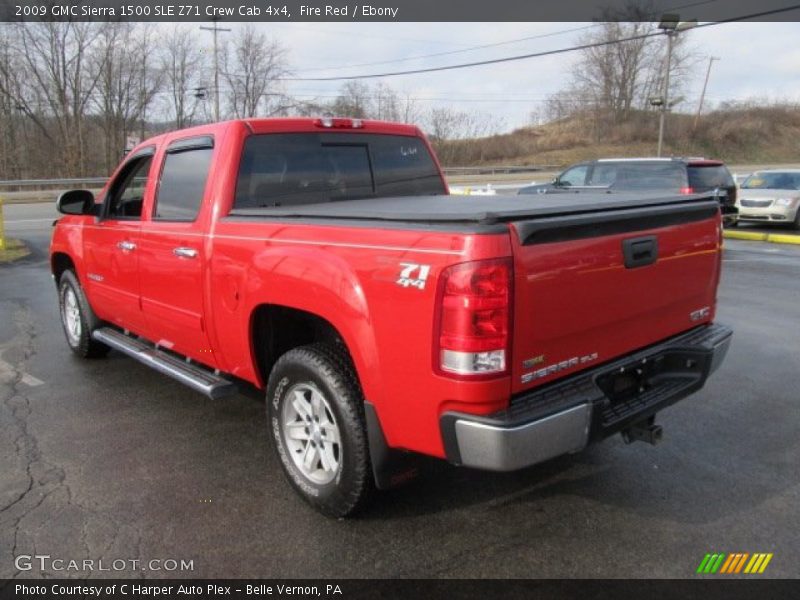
323,261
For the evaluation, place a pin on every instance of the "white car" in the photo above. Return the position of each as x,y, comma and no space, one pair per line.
770,196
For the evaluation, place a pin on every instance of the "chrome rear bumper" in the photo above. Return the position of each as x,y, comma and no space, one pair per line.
565,416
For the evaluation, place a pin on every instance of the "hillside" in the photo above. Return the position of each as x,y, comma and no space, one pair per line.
745,135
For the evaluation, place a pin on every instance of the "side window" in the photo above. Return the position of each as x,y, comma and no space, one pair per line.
127,192
183,183
574,176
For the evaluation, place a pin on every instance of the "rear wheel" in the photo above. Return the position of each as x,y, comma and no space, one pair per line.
316,416
797,219
78,319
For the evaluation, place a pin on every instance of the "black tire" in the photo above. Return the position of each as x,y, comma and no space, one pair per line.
79,336
797,219
325,369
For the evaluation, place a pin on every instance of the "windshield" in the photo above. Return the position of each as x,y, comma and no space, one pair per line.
289,169
772,181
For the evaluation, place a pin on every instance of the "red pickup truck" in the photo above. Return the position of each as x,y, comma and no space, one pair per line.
323,261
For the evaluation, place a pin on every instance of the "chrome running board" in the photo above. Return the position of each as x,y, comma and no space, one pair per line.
200,379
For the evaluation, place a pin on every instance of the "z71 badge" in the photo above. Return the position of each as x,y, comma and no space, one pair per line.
413,275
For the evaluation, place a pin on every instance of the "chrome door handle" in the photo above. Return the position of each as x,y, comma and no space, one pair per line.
126,246
185,252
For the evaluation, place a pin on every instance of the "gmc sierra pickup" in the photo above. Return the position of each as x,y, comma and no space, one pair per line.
323,261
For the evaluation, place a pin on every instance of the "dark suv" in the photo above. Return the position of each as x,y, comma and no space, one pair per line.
681,175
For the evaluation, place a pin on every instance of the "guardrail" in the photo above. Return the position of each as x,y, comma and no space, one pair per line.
498,169
23,184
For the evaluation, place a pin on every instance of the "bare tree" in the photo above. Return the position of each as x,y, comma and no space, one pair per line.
251,69
182,66
452,131
353,101
125,87
612,78
52,85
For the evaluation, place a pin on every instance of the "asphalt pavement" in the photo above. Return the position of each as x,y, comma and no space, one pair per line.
105,459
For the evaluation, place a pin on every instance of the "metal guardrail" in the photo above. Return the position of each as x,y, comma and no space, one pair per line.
498,169
95,182
47,183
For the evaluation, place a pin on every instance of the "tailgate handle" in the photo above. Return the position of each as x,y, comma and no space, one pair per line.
639,252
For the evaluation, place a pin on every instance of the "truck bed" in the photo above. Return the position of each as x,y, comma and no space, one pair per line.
482,210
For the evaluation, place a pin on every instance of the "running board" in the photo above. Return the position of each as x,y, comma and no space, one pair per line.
196,377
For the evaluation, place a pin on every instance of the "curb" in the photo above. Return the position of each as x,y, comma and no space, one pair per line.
775,238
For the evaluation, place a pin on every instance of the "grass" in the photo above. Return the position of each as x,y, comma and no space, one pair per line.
13,250
738,135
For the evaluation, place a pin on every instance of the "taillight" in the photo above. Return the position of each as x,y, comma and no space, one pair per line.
686,190
473,330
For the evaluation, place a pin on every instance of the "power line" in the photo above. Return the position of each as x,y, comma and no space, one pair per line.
493,45
535,54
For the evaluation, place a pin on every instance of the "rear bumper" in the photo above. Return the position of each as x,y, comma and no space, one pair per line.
565,416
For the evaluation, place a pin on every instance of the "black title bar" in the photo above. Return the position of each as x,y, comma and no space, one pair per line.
394,10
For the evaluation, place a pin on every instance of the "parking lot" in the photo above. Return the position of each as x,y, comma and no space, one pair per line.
107,459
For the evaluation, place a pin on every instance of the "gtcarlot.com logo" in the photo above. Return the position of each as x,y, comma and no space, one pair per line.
736,562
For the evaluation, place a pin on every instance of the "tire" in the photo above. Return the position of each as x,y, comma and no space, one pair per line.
315,411
78,318
797,219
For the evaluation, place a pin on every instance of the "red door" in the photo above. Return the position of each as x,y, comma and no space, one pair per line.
111,247
172,259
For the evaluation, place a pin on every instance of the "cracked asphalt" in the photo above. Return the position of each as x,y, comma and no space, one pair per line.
104,459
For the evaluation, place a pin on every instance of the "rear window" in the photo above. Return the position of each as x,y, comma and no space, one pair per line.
708,177
646,176
289,169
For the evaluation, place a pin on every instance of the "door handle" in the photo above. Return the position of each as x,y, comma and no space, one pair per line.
185,252
126,246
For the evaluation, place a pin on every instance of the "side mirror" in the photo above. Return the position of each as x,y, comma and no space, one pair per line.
76,202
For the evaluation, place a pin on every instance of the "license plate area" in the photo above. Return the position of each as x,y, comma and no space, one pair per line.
638,386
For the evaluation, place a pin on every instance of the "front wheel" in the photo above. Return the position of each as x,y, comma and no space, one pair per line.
78,319
316,416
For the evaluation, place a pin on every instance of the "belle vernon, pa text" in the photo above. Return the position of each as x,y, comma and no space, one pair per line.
169,590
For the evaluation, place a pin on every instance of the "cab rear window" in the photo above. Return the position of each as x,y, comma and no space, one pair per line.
288,169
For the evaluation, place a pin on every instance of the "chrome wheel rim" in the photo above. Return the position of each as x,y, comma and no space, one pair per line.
71,315
312,437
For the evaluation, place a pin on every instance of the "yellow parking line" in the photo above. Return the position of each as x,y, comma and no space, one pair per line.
745,235
775,238
783,238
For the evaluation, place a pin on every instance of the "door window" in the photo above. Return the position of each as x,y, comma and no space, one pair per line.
126,194
183,184
574,176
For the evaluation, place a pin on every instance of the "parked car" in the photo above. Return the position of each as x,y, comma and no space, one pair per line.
675,175
771,195
323,262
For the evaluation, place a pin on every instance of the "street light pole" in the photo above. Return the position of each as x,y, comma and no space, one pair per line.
671,25
665,101
215,29
711,60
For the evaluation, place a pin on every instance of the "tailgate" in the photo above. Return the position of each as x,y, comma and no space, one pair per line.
592,287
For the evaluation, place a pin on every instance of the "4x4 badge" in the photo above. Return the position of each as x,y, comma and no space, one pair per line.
407,278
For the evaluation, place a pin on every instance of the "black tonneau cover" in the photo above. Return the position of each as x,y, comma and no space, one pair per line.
470,209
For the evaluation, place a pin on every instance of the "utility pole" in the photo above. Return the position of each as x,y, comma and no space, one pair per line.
711,60
214,30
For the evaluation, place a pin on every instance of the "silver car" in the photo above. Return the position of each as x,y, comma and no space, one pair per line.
770,196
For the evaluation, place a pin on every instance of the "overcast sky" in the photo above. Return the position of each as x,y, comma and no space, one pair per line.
758,60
